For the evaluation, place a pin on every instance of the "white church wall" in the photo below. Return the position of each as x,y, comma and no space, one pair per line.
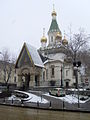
57,71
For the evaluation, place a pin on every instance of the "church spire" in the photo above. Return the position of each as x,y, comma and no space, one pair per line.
54,26
54,14
54,29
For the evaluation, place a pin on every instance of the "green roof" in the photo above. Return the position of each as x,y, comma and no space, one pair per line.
54,26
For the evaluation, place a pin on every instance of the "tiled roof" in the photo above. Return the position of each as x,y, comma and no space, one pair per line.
54,26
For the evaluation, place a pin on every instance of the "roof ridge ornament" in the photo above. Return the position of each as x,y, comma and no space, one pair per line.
44,39
53,7
65,41
54,14
64,34
43,31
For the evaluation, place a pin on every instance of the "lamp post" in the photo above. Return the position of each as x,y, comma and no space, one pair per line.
76,65
61,78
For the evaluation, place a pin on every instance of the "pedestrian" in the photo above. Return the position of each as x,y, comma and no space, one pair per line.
12,100
21,101
50,105
37,103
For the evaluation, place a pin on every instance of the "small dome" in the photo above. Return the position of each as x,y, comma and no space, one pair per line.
64,41
44,39
54,13
58,36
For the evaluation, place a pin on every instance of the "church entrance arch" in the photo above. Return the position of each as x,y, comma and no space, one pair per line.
25,78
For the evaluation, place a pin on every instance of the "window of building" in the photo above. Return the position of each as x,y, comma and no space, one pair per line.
44,75
47,73
15,79
67,72
15,76
51,38
52,71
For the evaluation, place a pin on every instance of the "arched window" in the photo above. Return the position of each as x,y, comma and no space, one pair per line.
51,38
47,73
52,71
67,72
44,75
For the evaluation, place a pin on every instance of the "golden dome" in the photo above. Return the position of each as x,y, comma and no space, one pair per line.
44,39
64,41
54,13
58,36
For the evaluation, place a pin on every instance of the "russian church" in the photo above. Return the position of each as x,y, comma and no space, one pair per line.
48,66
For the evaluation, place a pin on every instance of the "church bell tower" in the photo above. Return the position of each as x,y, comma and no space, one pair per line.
54,33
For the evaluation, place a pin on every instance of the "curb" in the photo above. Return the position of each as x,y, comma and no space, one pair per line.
49,108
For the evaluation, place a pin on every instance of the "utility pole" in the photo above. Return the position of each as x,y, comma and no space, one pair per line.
61,78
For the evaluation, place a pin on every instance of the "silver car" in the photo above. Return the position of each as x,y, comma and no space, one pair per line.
59,92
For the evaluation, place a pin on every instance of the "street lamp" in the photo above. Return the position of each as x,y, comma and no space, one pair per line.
76,65
61,78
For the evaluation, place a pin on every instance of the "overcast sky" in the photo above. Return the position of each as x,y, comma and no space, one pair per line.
23,20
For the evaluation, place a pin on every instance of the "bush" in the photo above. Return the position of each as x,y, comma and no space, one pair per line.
83,98
5,94
52,83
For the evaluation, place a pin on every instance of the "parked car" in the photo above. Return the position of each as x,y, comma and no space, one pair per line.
59,92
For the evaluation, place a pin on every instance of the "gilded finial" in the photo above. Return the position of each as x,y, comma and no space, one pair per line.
64,33
43,31
53,7
54,13
64,42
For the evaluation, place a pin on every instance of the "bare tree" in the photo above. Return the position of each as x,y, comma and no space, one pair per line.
85,58
78,42
8,65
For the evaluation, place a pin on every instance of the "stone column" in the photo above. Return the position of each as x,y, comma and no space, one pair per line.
32,80
19,83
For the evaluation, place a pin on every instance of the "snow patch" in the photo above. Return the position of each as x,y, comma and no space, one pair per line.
31,98
36,98
69,98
